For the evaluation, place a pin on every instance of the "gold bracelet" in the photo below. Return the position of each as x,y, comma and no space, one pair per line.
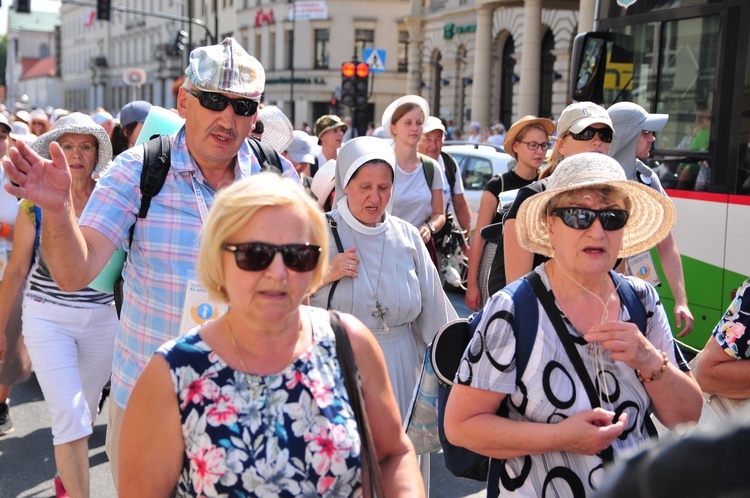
655,375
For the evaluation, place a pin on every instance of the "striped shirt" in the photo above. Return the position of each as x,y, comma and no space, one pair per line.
40,285
165,246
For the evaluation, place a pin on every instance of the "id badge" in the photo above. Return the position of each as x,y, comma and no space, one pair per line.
197,308
642,266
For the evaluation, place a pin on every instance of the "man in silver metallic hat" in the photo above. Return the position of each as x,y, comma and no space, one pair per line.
219,101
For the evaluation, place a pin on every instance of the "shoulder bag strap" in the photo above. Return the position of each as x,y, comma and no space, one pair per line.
372,479
335,230
545,297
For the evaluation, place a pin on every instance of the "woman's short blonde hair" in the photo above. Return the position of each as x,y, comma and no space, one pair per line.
235,206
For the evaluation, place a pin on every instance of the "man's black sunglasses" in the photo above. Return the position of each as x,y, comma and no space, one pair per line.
257,256
219,102
582,218
588,133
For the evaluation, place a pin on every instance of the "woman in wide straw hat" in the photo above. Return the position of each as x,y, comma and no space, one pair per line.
69,335
554,440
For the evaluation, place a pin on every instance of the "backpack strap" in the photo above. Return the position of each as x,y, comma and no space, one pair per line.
267,155
637,312
525,321
428,168
630,299
156,164
451,167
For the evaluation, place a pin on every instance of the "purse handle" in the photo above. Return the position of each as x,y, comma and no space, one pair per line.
371,479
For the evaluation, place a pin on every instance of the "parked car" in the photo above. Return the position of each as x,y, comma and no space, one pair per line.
478,163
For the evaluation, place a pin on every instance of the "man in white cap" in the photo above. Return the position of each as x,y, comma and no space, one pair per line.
631,144
431,145
219,101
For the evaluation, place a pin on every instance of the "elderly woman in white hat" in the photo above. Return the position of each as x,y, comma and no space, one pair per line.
382,274
560,428
418,193
69,335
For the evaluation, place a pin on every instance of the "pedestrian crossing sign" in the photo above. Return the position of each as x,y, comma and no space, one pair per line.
375,58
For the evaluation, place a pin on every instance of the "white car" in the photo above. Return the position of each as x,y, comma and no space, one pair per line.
478,163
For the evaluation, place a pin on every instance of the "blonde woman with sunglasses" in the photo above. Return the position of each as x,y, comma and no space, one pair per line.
252,403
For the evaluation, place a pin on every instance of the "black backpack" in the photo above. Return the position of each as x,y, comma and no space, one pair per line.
156,162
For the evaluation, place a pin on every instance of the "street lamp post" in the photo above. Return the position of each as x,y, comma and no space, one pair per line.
291,64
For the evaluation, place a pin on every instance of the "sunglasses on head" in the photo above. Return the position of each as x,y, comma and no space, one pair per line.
257,256
219,102
582,218
588,134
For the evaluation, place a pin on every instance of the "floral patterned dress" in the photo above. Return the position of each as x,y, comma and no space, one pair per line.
288,434
730,331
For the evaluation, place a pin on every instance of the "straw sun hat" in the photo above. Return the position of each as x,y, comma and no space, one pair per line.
521,125
651,217
79,124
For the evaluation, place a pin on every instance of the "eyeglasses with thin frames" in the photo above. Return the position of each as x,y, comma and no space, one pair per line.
218,102
83,148
536,145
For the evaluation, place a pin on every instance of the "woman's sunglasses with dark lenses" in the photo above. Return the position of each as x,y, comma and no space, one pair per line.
582,218
219,102
588,134
257,256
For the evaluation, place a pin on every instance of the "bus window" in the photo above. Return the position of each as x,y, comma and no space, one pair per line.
743,171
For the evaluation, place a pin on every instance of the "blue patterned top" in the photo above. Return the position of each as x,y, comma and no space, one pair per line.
289,434
730,331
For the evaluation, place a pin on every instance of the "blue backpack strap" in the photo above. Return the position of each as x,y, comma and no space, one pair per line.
630,299
525,321
637,312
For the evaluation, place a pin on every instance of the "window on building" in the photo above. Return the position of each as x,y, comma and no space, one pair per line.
289,49
363,38
322,48
403,51
271,62
547,75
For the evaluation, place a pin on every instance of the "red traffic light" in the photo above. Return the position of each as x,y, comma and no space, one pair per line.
363,70
348,69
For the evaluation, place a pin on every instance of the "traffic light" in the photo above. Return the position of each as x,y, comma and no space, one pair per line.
348,83
179,42
23,6
103,10
362,73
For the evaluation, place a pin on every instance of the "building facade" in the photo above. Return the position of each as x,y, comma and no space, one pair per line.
473,61
30,72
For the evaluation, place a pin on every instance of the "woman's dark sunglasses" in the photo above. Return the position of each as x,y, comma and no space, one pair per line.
219,102
582,218
588,133
257,256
